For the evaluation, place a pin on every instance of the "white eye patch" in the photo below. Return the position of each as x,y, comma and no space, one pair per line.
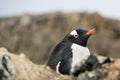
74,32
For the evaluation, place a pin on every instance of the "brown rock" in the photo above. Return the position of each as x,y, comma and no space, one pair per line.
26,70
26,33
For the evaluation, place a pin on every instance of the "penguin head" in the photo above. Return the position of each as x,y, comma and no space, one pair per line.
79,36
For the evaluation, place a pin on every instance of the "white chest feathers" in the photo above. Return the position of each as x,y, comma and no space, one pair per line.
80,54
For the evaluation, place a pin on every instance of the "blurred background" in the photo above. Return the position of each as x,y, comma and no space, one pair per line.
34,27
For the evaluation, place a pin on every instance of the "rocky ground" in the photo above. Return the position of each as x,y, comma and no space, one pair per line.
39,34
26,70
31,39
21,68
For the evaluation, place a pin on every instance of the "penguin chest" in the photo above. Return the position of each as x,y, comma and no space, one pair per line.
80,54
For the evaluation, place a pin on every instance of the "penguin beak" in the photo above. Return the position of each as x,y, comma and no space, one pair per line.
90,32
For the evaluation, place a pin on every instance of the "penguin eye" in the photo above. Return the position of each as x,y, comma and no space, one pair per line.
76,36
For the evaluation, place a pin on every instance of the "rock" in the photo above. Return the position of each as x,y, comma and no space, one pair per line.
27,70
26,33
110,71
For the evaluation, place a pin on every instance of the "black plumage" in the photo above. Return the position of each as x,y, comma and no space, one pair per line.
59,54
71,56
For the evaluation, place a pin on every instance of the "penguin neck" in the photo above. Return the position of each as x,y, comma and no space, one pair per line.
79,45
83,41
84,44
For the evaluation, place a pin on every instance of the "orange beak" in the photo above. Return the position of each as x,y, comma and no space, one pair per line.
90,32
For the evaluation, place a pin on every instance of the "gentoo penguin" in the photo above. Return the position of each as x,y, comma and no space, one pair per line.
71,55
